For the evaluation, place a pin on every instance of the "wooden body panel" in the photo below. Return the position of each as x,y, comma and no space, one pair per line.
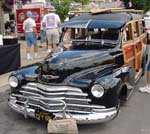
132,44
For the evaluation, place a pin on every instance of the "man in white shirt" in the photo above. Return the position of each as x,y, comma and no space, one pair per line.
51,21
146,88
42,33
29,27
147,27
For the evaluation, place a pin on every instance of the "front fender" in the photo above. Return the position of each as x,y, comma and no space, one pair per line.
28,73
113,84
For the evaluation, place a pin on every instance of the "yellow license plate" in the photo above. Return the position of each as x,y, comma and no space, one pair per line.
42,116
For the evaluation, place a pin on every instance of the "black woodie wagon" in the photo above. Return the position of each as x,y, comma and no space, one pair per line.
99,59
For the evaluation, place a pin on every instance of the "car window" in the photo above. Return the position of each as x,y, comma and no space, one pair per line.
90,38
141,25
127,34
90,34
135,29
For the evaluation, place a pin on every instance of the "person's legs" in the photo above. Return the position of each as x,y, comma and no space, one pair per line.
34,42
42,37
148,38
55,38
35,52
49,40
148,73
28,52
146,88
28,41
35,48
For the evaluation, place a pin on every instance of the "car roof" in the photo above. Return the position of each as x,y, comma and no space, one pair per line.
105,20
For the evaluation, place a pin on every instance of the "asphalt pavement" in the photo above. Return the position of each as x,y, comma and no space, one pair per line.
133,117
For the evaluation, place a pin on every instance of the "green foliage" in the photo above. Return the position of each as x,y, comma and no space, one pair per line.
126,3
62,7
82,1
138,4
147,5
6,6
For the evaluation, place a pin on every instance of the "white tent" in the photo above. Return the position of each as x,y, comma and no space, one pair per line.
35,1
148,13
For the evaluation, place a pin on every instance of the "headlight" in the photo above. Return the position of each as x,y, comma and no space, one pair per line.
97,91
13,81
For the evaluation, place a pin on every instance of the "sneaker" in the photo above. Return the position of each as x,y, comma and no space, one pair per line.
49,50
145,89
37,57
29,58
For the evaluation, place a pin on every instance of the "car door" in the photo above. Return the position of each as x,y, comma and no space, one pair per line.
137,45
128,46
132,46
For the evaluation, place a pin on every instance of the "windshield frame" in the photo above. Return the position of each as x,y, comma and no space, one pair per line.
88,38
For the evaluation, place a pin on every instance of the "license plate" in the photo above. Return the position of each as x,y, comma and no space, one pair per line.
42,116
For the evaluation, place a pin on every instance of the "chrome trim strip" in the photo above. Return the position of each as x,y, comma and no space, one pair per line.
86,106
52,88
95,108
52,105
55,93
38,106
56,98
40,99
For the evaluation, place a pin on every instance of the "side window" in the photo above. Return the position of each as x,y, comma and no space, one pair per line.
79,33
141,25
135,29
67,35
127,33
74,33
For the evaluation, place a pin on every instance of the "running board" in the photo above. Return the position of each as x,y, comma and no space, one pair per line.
137,77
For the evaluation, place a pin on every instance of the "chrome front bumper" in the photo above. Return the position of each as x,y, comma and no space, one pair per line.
96,116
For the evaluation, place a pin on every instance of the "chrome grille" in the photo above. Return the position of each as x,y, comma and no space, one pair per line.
40,96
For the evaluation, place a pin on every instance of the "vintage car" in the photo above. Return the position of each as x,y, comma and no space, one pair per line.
99,59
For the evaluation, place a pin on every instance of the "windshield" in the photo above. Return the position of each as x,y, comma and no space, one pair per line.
97,36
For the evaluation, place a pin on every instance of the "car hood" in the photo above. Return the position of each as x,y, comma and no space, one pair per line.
79,60
72,66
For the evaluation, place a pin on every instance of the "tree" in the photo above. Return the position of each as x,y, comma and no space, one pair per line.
82,1
147,4
62,7
138,4
6,5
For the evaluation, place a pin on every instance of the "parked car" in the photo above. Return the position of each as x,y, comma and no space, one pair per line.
99,59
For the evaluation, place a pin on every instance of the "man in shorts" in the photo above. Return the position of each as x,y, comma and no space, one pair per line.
146,89
42,33
147,28
29,27
51,21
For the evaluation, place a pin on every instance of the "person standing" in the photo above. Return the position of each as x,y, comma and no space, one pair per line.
146,88
29,27
42,33
52,22
147,28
